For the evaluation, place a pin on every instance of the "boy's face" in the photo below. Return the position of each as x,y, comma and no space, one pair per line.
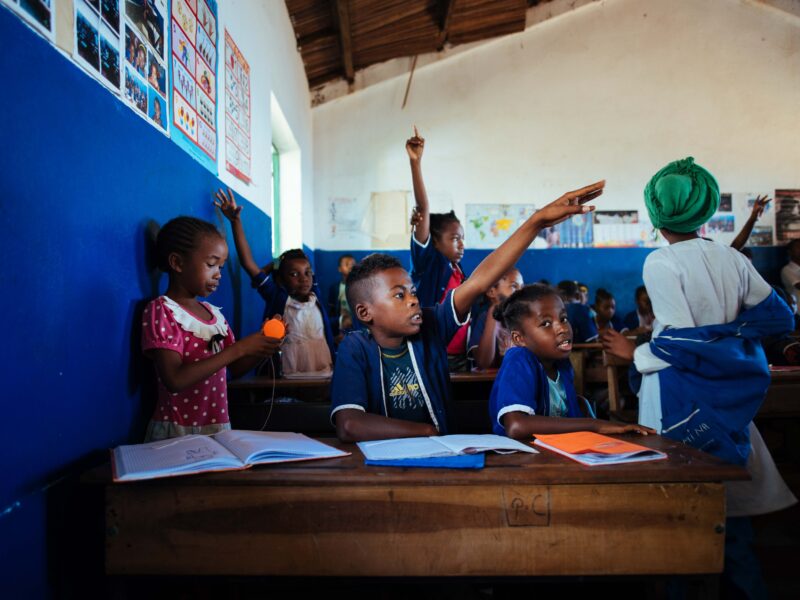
450,241
545,331
605,309
297,278
508,284
392,311
346,265
643,304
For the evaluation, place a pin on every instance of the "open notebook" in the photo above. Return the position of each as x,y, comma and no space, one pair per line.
224,451
593,449
439,446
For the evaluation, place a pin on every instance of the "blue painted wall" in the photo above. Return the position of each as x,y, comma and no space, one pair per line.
82,179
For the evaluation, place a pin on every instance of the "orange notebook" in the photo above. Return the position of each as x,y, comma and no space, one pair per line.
594,449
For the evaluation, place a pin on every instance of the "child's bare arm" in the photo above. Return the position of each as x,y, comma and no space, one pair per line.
487,346
520,426
502,259
421,218
358,426
227,204
758,208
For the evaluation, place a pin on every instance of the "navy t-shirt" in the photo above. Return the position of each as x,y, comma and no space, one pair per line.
401,385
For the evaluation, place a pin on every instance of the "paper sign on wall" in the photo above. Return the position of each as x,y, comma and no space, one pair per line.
237,111
39,13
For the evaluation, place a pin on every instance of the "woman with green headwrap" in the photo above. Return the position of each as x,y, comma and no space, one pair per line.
704,374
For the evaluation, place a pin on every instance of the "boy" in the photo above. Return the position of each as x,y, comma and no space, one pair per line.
338,309
392,380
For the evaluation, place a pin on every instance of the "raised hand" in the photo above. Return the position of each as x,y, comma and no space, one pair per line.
571,203
227,204
415,146
758,206
416,218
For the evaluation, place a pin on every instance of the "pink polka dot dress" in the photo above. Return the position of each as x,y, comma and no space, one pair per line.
199,408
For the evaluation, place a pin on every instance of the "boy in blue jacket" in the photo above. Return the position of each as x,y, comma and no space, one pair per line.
392,380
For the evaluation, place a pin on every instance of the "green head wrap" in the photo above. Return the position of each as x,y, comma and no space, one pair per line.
681,196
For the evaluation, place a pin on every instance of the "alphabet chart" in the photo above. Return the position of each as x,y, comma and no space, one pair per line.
237,111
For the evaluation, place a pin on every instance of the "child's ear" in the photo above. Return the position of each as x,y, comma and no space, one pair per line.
491,293
516,338
175,261
364,313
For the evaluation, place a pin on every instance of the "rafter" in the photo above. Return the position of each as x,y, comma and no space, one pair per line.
447,15
343,20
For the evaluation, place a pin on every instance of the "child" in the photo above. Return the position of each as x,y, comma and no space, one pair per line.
640,321
437,247
392,380
338,308
534,391
580,316
308,348
488,340
190,341
704,371
605,312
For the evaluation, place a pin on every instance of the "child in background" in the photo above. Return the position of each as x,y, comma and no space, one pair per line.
189,340
580,317
392,380
338,309
534,390
584,291
640,321
292,292
437,247
488,340
605,310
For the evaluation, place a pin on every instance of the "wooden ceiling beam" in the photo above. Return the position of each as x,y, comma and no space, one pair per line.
447,16
343,20
318,35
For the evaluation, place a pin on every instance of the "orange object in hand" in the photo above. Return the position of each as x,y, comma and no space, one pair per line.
274,328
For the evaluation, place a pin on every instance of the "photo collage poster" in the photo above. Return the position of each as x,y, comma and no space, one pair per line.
97,40
237,111
144,39
40,14
787,215
621,229
193,85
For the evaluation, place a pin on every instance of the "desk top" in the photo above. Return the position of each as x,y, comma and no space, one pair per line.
683,464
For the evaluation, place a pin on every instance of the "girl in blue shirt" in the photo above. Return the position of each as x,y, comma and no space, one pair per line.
534,391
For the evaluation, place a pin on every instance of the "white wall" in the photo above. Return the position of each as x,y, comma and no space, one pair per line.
264,34
613,90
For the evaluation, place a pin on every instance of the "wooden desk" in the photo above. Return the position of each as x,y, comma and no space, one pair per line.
523,515
783,396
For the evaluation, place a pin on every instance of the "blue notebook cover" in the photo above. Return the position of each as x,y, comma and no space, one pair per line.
460,461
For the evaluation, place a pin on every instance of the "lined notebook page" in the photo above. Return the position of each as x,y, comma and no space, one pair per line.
271,446
483,442
178,455
419,447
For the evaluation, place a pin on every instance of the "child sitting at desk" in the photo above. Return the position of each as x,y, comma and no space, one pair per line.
640,321
292,292
580,316
488,340
190,341
533,391
605,312
392,380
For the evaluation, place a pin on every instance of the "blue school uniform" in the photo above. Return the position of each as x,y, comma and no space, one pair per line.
583,326
276,296
430,272
522,385
358,380
631,320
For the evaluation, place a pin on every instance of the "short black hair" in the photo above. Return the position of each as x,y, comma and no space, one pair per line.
293,254
568,288
359,283
342,257
511,311
181,235
639,291
438,221
601,295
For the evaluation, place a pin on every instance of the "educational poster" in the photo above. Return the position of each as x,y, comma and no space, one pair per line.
762,234
576,232
39,13
237,111
193,74
145,72
620,229
387,220
787,215
489,225
344,216
96,44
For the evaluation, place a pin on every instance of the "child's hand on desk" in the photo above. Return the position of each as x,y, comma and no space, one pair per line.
609,428
568,205
617,344
227,204
415,146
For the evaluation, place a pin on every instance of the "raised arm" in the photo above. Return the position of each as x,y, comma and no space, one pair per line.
498,262
486,351
422,214
227,204
758,209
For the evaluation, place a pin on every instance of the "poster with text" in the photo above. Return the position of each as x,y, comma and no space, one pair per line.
145,74
489,225
40,14
787,215
237,111
96,44
620,229
192,63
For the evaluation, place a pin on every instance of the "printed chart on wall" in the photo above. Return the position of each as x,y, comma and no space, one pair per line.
39,13
620,229
489,225
193,78
237,111
145,74
97,40
576,232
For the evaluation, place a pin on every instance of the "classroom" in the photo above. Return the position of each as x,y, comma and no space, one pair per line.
300,126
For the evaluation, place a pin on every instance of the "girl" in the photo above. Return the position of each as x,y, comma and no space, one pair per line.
534,392
292,292
605,312
189,340
437,247
488,341
640,321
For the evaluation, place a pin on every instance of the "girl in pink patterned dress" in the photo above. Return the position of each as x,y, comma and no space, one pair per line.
189,340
